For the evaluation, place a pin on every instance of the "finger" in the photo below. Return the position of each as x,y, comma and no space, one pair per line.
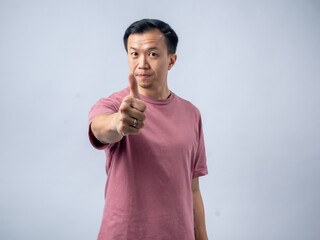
132,122
133,86
130,130
133,131
133,102
139,105
137,114
137,123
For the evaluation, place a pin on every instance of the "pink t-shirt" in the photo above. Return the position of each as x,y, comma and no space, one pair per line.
148,192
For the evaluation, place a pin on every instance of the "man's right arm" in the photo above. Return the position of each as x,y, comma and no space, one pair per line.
103,127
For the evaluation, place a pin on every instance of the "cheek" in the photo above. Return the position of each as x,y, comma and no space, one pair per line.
131,64
163,67
160,65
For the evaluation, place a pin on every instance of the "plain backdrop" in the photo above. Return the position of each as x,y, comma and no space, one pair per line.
251,67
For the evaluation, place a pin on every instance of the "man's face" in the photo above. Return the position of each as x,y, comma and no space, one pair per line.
149,60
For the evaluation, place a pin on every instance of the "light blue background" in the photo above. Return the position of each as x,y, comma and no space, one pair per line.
251,67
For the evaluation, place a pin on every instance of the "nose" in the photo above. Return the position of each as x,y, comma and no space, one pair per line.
143,62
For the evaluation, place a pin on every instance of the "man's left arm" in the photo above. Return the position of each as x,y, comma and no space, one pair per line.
198,212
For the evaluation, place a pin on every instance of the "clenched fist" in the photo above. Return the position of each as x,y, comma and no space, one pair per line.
131,114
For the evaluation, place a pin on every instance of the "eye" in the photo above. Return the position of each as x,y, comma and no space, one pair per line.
134,54
153,54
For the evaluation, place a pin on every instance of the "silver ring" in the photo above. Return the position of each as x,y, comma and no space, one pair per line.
135,121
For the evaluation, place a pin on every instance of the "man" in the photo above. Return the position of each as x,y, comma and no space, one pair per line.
154,146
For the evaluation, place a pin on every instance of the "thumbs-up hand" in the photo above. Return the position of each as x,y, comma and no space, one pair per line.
132,111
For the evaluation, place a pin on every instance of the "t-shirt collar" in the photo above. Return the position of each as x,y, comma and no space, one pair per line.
157,101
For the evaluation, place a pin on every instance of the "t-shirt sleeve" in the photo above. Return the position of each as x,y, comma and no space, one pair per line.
200,161
104,105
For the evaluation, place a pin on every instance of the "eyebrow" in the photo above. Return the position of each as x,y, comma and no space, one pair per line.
151,48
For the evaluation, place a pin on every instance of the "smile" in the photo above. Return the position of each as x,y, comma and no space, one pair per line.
143,75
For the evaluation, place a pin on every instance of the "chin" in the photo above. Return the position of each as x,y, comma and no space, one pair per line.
145,85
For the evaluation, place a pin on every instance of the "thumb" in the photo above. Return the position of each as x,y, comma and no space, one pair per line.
133,86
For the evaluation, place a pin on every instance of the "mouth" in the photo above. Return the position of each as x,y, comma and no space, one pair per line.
143,75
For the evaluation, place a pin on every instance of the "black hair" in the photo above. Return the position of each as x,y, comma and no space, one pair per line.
145,25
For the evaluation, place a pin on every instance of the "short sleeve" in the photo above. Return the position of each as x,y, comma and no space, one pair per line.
200,161
104,105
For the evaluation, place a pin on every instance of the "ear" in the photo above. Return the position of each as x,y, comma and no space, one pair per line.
173,59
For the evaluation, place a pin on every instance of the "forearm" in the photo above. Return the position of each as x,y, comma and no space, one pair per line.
104,129
199,217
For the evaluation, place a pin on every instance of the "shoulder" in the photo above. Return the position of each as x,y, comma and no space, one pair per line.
190,107
118,96
115,98
110,103
188,111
